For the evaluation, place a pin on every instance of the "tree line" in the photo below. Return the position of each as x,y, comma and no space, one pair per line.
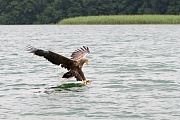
51,11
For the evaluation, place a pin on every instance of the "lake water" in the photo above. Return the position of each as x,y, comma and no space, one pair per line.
135,73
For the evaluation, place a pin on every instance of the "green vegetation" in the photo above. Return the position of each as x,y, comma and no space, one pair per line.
51,11
124,19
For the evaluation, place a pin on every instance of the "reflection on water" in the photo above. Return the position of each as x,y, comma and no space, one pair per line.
67,87
134,71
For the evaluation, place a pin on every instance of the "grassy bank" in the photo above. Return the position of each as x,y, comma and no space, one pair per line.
124,19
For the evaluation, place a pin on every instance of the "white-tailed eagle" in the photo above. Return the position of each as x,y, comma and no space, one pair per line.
73,65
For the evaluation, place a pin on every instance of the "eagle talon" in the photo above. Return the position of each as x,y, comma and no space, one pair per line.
86,81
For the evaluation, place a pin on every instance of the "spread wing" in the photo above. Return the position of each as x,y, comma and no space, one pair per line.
53,57
80,53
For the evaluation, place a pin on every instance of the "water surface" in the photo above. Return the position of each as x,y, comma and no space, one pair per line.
134,71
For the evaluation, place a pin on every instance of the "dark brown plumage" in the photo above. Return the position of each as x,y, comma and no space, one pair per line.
73,65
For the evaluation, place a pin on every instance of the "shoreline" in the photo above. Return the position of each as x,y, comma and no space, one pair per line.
122,20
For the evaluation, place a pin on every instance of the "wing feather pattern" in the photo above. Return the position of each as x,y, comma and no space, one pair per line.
80,53
53,57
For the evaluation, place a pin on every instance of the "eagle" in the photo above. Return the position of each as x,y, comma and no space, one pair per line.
73,65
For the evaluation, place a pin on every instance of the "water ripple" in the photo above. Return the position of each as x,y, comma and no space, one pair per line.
134,71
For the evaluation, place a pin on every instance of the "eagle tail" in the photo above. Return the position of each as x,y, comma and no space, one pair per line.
73,73
67,75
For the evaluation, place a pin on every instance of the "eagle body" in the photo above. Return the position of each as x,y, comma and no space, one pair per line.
73,65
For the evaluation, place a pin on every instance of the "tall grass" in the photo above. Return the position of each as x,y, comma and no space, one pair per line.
124,19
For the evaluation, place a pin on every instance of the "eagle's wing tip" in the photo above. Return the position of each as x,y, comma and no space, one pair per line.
31,49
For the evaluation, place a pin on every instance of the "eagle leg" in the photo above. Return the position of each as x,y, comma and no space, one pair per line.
83,79
78,76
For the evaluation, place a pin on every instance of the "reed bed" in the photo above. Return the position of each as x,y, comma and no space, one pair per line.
123,19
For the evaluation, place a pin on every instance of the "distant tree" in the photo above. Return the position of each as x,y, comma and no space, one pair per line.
51,11
16,12
173,7
131,6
